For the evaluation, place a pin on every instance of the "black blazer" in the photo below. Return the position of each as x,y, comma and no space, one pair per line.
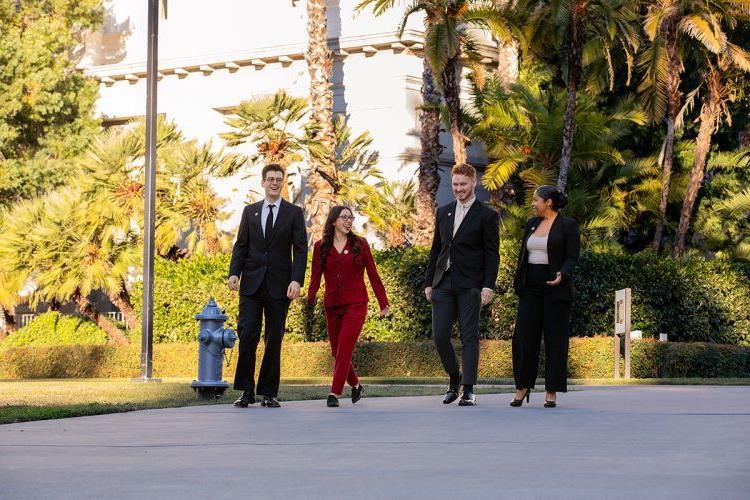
253,260
563,247
474,251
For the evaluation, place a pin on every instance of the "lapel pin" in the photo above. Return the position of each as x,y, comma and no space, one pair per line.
449,214
346,252
256,214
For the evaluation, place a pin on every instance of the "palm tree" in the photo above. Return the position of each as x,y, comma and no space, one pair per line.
56,246
428,176
721,87
447,24
273,125
591,27
390,211
446,35
609,188
668,24
355,164
320,66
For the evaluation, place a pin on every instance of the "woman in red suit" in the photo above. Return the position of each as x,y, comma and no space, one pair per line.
342,257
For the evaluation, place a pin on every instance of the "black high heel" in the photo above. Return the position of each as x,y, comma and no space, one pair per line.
519,402
550,404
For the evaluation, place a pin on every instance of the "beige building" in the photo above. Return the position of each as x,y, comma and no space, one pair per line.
212,55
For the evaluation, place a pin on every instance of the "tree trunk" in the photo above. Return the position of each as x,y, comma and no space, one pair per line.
87,309
123,303
429,173
9,316
709,119
674,97
320,66
575,53
451,78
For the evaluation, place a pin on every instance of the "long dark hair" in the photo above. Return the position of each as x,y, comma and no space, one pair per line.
559,199
329,231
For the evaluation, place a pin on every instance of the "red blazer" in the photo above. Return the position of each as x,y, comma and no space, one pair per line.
345,276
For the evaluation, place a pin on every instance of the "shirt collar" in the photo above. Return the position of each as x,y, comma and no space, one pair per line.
276,204
468,204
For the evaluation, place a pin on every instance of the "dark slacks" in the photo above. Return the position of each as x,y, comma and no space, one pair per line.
344,324
537,314
449,304
253,308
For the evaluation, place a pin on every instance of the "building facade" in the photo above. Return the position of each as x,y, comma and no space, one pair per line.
213,55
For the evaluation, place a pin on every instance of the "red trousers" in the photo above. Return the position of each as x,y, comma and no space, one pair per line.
344,325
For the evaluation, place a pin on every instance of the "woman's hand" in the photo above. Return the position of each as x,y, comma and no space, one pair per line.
557,280
384,311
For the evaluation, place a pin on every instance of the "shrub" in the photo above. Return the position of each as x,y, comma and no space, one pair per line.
693,300
52,328
589,358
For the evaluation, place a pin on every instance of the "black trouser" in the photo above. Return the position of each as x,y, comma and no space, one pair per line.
448,304
538,313
252,309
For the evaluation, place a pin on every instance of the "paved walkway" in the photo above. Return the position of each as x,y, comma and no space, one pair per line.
615,442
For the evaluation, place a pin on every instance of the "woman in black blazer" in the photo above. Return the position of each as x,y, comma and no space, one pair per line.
544,284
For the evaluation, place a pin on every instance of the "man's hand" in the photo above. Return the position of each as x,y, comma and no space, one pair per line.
428,293
293,291
556,281
384,311
486,296
234,283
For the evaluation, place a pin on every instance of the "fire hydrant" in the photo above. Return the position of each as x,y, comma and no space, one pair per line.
212,340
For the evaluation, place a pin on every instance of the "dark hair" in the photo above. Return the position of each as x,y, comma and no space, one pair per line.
329,231
559,198
272,167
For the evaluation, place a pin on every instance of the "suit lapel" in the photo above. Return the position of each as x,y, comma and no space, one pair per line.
553,234
451,220
256,210
280,218
473,210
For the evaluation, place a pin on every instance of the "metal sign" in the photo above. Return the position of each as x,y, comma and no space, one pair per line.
622,330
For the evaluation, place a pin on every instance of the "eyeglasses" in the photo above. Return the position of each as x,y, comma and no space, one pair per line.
274,180
346,218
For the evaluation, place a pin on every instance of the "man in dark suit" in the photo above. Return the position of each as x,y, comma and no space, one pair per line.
267,267
460,279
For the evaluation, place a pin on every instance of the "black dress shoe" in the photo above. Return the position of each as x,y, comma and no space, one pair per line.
357,393
467,399
332,401
246,399
550,404
452,393
270,402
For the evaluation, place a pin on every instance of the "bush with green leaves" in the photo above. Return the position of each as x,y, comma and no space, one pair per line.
52,328
690,300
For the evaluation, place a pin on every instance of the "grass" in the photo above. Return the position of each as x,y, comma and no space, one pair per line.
26,400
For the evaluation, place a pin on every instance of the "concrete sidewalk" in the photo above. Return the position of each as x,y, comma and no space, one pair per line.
603,442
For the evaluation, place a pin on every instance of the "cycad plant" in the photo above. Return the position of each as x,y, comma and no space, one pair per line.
522,130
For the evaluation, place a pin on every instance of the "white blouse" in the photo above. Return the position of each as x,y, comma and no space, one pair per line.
537,248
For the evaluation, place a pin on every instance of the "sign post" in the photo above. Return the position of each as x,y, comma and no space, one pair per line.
622,330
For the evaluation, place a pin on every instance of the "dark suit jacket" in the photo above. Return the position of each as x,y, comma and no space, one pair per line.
474,250
345,276
253,260
563,247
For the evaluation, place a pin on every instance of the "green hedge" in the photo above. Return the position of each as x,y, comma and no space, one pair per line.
694,300
589,358
52,328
